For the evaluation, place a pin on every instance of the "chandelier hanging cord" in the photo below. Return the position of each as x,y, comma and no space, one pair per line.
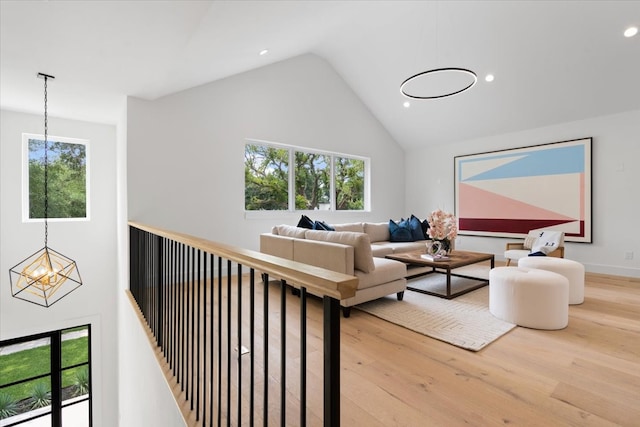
46,159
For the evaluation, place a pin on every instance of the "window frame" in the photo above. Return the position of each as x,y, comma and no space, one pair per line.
56,368
25,177
292,149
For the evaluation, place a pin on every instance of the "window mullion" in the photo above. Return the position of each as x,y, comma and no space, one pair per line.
292,180
332,184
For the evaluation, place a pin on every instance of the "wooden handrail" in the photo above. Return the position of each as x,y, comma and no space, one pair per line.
318,281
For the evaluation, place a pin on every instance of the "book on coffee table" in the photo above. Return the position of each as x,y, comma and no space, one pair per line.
435,257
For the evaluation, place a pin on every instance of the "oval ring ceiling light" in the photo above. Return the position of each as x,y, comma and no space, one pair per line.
433,73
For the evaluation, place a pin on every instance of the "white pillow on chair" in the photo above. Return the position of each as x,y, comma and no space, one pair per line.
547,242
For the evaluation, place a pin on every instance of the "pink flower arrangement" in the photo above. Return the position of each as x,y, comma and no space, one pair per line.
442,225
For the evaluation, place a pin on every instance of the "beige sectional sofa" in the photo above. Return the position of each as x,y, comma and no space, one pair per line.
358,249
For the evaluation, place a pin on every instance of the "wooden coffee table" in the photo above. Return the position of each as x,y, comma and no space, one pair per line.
457,259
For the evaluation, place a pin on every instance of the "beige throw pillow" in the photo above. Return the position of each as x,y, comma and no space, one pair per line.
377,231
363,258
356,227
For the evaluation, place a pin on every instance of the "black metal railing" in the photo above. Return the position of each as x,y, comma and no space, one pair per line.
232,359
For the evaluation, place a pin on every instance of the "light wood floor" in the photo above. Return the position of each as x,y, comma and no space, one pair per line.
585,375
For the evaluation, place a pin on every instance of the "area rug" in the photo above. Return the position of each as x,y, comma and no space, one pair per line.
464,321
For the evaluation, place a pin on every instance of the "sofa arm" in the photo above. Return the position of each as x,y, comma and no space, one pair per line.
332,256
280,246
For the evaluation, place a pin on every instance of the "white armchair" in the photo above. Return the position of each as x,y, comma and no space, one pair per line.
550,242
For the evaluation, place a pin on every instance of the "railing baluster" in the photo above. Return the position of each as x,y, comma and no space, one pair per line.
283,352
228,342
265,339
183,285
252,333
219,341
212,342
193,314
204,342
331,362
239,327
303,356
160,281
198,342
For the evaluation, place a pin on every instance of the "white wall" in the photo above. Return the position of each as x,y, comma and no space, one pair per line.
145,396
615,176
92,244
186,151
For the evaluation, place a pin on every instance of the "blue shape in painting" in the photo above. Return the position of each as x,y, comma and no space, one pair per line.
552,161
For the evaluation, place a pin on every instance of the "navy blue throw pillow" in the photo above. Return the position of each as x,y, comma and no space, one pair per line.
321,225
425,229
400,232
539,253
416,228
305,222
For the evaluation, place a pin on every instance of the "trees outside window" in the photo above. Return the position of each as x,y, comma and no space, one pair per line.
349,179
67,178
313,181
317,181
266,178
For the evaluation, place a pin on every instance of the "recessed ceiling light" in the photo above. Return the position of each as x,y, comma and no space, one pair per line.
631,31
264,52
489,78
406,104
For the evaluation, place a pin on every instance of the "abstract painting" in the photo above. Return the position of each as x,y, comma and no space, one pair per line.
507,193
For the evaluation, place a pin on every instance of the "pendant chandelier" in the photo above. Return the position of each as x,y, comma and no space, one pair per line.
440,82
46,276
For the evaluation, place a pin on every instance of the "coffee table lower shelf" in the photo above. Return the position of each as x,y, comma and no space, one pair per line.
454,284
451,288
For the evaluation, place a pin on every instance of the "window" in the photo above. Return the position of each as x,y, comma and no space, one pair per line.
67,177
47,377
316,181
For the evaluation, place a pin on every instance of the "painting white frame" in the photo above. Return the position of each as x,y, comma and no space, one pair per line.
506,193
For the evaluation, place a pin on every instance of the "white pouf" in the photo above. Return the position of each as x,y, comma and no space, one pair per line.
529,297
572,270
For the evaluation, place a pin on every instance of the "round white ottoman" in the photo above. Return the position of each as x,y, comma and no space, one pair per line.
533,298
572,270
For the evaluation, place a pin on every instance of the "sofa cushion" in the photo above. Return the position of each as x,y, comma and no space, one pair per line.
356,227
381,249
387,270
377,231
401,247
362,257
289,231
400,231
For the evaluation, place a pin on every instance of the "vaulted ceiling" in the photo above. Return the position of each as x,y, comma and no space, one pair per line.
553,61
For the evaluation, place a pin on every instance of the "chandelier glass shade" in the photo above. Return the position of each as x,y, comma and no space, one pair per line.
46,276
